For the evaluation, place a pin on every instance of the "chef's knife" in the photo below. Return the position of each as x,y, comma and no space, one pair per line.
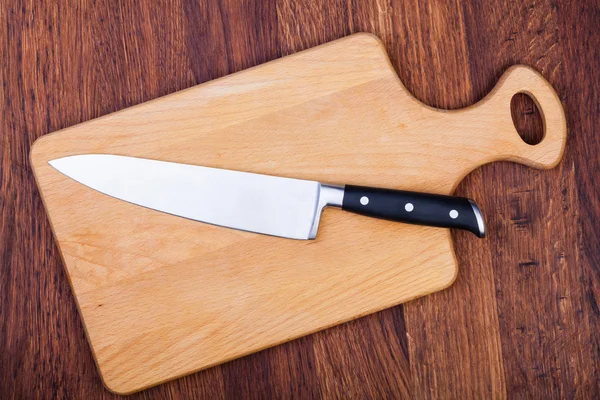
266,204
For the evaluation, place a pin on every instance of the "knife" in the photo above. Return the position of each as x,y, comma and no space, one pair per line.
271,205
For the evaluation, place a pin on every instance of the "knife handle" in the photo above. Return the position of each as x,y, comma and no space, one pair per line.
415,208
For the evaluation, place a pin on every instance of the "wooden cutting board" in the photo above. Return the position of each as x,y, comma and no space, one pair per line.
163,296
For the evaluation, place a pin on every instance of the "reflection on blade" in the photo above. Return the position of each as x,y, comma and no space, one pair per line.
241,200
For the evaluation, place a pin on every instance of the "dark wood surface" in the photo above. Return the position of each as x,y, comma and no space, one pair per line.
522,319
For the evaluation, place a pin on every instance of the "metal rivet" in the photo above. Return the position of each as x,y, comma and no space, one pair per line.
364,200
453,214
409,207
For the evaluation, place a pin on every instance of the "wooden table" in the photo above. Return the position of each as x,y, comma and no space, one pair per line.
522,319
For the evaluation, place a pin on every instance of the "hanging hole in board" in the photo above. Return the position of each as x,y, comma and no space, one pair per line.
527,118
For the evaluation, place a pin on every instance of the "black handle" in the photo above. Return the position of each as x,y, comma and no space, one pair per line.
415,208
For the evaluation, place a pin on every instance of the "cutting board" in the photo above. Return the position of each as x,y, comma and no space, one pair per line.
162,296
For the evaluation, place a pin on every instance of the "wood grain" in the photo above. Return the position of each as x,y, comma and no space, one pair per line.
162,297
69,62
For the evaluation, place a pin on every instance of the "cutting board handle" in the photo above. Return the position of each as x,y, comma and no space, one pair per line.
523,79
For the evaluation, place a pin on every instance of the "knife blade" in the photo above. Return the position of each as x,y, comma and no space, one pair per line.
266,204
